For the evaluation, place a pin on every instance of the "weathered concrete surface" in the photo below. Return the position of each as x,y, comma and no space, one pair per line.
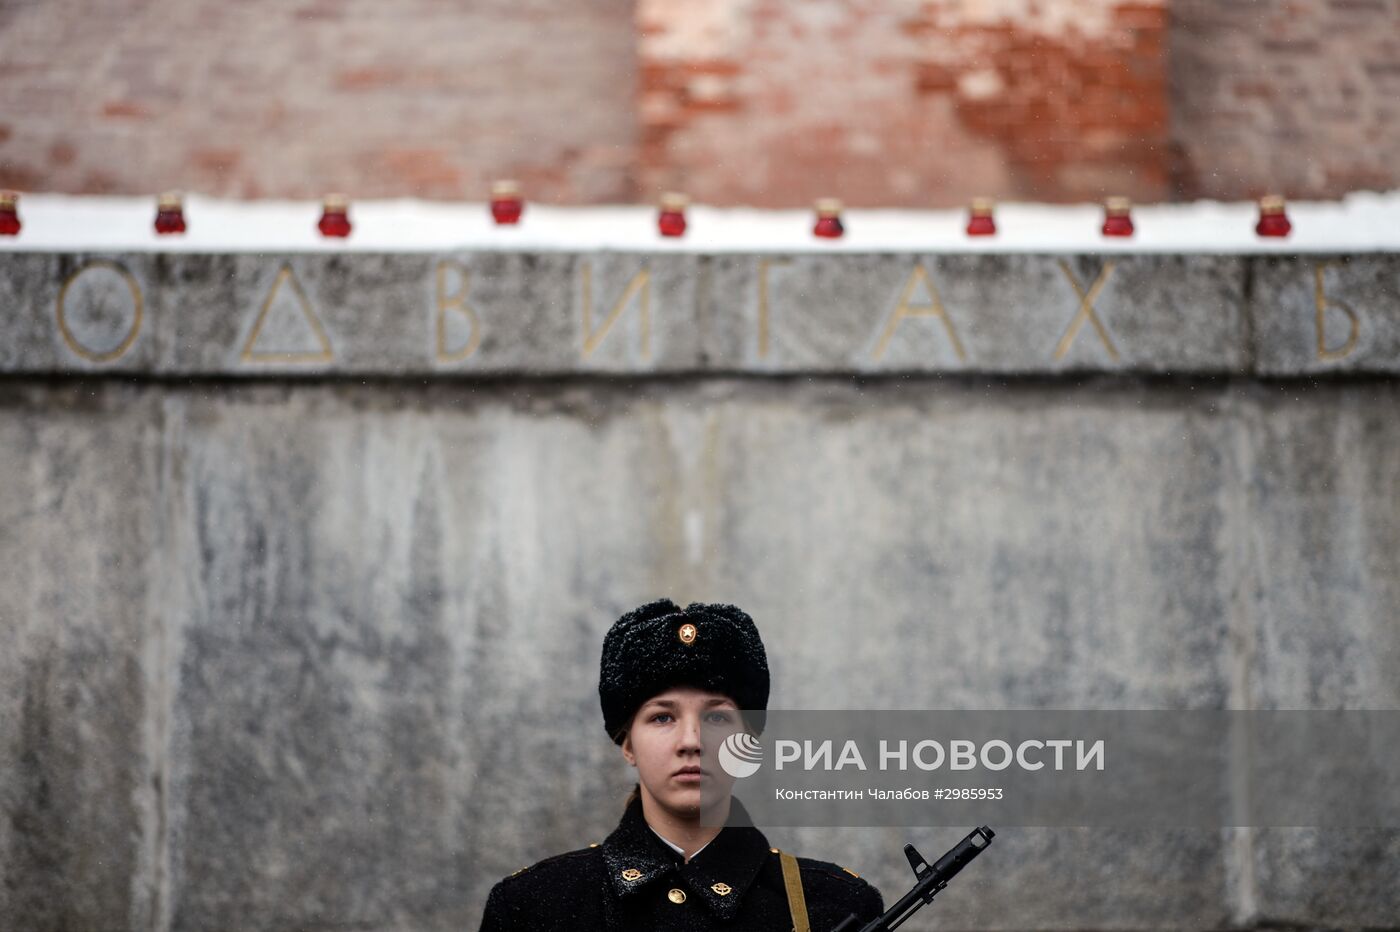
493,313
81,613
386,673
297,655
1005,314
991,547
1325,558
102,319
1324,490
1335,314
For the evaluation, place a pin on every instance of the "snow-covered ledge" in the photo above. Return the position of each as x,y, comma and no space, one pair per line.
429,288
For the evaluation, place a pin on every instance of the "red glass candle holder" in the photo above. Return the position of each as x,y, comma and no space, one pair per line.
980,221
671,220
9,213
170,213
506,202
335,218
1273,218
1118,217
828,225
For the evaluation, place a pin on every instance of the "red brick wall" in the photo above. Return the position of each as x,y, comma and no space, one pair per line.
881,103
282,98
765,102
1301,96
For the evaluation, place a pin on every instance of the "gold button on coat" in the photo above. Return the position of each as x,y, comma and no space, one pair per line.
677,895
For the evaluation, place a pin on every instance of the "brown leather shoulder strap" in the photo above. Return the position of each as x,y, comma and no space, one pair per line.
797,903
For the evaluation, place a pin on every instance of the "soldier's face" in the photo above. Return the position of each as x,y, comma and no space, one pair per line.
673,742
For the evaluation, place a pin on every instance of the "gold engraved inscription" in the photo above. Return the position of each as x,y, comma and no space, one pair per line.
251,353
905,309
137,304
456,303
1323,303
763,304
1086,311
640,284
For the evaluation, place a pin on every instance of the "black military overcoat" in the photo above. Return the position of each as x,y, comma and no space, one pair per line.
634,882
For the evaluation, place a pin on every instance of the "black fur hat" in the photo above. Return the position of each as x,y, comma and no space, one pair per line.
658,645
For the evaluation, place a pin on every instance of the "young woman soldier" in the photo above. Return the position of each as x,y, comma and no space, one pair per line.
671,682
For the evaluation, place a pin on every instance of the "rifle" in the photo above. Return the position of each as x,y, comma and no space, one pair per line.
929,881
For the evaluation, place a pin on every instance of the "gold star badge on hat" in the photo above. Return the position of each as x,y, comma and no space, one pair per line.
687,633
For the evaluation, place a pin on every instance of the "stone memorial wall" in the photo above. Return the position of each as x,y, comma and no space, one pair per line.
306,559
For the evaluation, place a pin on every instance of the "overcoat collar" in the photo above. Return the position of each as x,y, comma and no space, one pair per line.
719,875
